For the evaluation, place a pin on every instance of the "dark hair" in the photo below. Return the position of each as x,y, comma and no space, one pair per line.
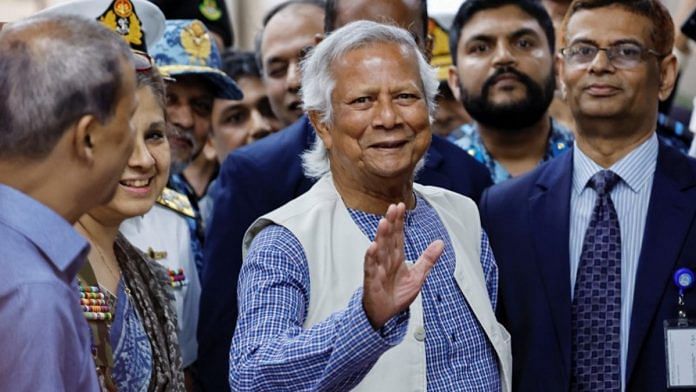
332,10
662,33
270,14
237,64
470,7
152,78
53,71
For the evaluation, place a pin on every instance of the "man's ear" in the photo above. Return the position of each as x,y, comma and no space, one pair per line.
559,69
84,137
209,149
321,128
318,38
669,67
453,82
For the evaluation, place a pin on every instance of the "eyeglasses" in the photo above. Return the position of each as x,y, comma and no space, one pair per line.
143,61
624,56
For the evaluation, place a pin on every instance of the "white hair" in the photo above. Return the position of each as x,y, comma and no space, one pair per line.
318,81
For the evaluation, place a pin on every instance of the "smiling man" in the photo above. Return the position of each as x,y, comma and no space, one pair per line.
504,76
589,244
334,282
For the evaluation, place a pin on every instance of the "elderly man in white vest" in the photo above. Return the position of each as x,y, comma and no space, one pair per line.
369,281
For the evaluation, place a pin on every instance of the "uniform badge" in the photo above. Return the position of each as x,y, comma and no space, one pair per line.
196,42
122,19
210,9
156,255
177,202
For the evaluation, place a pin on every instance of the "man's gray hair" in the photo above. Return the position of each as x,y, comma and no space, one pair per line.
54,70
318,82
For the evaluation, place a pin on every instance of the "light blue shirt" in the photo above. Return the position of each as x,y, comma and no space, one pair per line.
43,334
631,197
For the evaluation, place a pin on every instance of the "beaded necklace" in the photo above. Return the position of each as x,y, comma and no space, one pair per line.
94,303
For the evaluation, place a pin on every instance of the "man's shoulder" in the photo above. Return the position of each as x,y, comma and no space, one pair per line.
524,186
451,151
23,262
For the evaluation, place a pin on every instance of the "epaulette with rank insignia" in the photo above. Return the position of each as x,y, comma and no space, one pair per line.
177,202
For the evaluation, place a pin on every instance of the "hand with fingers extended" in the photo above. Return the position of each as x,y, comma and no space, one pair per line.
390,285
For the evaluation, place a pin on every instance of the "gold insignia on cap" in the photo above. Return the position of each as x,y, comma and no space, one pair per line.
196,42
210,9
122,19
177,202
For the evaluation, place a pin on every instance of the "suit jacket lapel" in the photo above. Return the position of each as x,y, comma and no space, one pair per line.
549,215
670,213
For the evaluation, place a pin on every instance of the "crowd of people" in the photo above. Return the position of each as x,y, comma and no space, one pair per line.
373,199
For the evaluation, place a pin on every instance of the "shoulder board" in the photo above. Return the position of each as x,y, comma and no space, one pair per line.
177,202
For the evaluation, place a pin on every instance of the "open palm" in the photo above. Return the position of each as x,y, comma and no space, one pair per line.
390,285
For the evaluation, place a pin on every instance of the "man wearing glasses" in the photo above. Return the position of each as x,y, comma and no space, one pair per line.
590,245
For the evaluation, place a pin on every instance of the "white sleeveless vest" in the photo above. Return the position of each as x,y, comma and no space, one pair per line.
335,248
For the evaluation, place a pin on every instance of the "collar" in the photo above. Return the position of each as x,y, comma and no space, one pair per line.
634,169
50,232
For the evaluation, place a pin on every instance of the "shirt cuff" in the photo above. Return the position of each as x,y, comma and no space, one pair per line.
391,333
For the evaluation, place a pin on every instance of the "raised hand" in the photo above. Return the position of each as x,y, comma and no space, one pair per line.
390,285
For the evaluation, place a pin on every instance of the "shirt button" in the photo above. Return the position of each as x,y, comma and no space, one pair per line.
419,334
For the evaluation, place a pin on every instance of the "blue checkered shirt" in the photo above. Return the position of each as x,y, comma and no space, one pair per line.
272,351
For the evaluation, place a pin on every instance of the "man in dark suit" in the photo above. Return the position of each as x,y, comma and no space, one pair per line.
261,177
587,244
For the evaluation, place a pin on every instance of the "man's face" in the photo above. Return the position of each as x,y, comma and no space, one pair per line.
600,89
286,38
504,74
403,13
114,140
380,128
236,123
189,104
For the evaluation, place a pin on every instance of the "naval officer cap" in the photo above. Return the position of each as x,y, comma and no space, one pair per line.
139,22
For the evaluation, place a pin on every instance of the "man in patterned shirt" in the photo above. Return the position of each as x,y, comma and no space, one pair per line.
504,76
333,293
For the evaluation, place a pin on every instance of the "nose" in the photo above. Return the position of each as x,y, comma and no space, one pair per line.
259,122
293,77
601,63
141,157
181,115
387,115
503,55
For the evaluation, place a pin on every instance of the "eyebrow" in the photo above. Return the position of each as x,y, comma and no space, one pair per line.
515,34
155,126
613,43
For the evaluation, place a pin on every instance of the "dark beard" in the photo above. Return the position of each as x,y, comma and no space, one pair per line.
513,116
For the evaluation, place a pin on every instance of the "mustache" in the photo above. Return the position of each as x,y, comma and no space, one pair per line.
181,133
488,84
